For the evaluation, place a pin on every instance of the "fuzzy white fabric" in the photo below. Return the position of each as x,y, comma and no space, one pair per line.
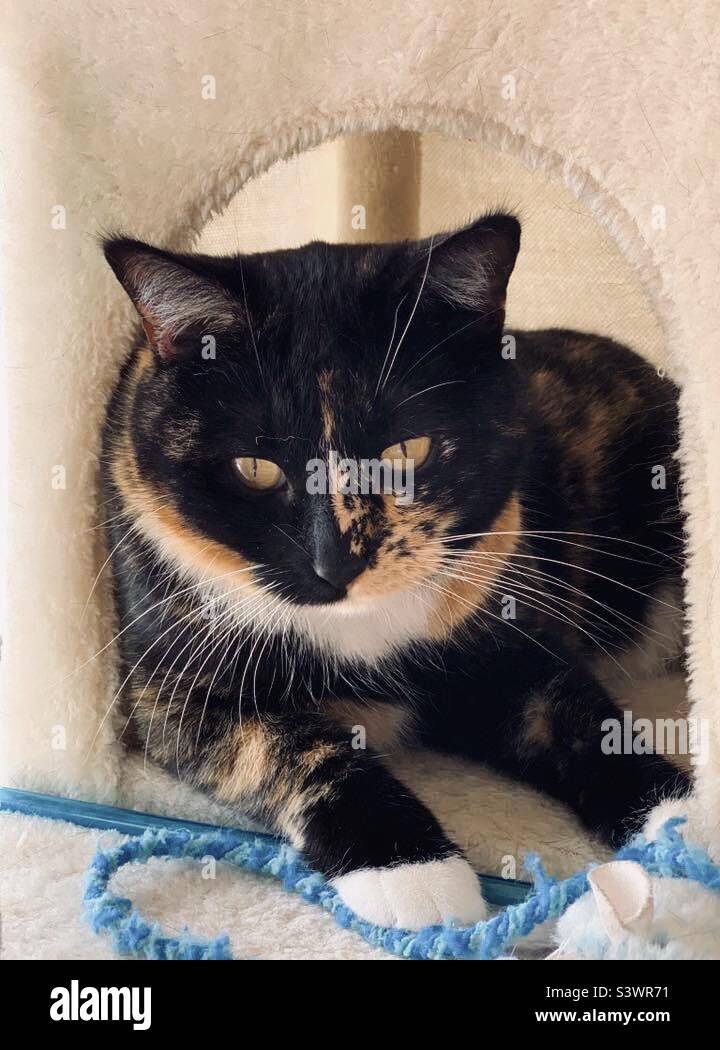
628,914
41,886
108,125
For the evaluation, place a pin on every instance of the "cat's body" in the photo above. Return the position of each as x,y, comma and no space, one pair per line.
275,643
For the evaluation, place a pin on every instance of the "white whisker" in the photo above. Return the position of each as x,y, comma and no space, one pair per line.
389,349
450,382
412,314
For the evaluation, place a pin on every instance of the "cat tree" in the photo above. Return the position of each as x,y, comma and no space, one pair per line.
150,118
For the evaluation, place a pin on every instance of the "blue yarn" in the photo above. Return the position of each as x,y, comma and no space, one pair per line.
133,935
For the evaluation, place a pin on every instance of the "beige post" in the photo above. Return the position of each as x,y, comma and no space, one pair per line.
378,187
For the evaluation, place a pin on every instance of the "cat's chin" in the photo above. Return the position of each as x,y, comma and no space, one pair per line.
361,605
346,608
365,628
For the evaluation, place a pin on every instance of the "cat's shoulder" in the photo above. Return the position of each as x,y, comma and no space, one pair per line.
563,363
565,348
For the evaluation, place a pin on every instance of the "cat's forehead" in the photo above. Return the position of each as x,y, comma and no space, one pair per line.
328,404
324,297
314,264
328,326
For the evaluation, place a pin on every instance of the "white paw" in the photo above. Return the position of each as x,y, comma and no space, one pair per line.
410,896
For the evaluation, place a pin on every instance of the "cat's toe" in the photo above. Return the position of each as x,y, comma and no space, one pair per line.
410,896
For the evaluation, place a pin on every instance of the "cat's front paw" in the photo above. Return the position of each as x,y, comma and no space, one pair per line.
410,896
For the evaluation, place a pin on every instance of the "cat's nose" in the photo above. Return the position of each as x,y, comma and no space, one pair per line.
339,571
332,559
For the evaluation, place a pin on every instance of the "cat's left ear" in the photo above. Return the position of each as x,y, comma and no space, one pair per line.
177,302
470,269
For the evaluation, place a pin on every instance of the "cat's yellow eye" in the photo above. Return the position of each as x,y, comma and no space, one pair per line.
414,450
260,474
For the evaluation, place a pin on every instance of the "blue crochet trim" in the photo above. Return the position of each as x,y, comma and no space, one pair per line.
135,936
669,856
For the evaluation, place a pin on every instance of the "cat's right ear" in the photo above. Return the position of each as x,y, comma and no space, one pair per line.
175,301
469,269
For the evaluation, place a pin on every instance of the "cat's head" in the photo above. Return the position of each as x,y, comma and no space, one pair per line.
257,369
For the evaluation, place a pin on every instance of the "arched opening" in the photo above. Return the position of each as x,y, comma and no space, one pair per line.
396,185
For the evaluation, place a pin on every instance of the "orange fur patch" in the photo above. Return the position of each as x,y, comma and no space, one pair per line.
328,417
386,725
159,520
394,570
464,598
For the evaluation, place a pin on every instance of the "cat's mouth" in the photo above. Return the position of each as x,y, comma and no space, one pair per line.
368,591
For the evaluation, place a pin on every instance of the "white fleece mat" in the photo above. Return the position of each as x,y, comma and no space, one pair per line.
41,886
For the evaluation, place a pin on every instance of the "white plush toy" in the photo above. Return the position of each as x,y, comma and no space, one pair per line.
629,914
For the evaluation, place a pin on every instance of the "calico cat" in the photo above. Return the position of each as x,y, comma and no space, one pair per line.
276,641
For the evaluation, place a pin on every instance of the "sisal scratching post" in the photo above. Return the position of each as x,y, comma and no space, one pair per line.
379,187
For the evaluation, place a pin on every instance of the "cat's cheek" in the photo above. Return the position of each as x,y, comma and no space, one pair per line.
410,896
